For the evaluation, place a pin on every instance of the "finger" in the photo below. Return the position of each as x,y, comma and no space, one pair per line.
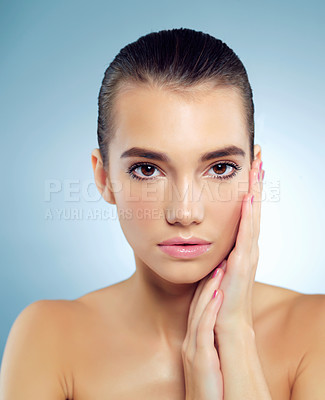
222,295
205,296
257,201
245,231
198,291
261,183
253,174
195,298
194,301
205,330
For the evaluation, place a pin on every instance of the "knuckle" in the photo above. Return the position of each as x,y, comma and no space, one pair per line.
187,358
184,347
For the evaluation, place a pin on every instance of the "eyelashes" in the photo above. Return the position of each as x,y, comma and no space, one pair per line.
151,167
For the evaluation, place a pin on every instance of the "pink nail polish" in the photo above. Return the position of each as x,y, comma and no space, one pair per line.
252,199
263,175
214,294
223,265
261,166
215,272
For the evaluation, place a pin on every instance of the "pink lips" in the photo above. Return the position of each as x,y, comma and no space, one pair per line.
185,248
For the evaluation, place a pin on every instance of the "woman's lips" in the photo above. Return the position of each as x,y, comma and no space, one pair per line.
185,251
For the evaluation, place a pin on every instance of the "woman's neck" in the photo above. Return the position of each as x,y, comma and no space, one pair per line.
161,306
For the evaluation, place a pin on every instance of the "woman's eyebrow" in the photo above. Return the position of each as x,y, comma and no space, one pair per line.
157,155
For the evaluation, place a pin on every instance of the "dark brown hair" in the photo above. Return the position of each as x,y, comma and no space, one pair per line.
179,60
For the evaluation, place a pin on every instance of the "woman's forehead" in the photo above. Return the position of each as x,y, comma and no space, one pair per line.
158,119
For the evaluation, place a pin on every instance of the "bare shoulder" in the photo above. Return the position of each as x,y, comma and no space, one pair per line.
36,347
307,310
308,316
43,319
293,318
272,300
294,322
308,322
55,317
298,308
108,298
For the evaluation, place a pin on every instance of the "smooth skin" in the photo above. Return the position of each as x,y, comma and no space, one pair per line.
206,377
127,340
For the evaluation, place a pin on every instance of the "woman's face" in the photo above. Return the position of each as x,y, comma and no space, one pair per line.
178,192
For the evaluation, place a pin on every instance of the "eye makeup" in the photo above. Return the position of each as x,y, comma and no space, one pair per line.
222,164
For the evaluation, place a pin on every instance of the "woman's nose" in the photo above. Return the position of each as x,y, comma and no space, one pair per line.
184,205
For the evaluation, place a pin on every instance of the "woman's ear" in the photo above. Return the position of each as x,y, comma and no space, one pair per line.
101,177
257,152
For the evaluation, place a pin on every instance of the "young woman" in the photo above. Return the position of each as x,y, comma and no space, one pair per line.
177,157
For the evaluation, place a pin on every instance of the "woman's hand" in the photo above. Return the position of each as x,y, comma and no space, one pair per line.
203,377
242,372
240,267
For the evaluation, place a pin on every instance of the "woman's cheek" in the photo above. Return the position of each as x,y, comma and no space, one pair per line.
141,228
140,211
225,217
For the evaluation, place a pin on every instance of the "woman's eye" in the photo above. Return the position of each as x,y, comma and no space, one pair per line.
145,171
220,170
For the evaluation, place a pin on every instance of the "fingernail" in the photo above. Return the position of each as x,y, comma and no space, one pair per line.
214,294
263,175
261,165
217,269
223,265
252,199
215,272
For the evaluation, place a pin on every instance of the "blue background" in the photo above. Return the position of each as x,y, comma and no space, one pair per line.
53,57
